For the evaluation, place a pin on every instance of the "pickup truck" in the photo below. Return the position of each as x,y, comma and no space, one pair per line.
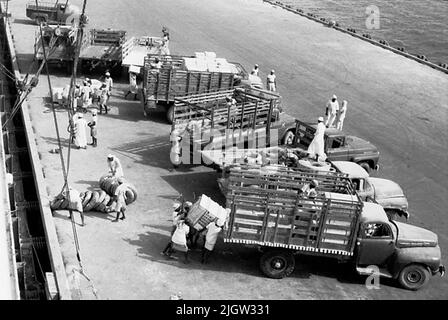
178,77
385,192
283,224
52,13
338,145
99,47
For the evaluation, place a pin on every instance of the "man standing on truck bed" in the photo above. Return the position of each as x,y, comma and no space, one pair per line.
342,114
271,81
316,147
332,111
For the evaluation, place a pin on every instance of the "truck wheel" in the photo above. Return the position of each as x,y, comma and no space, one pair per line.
413,277
288,139
170,114
365,166
277,264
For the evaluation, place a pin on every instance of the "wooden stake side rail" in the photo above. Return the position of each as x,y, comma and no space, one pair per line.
280,179
168,83
283,219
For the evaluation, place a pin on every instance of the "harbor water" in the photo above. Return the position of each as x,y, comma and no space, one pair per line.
418,26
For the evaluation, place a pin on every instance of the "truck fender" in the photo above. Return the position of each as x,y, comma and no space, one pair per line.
416,255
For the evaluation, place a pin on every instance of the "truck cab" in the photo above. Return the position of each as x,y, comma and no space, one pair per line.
396,250
385,192
338,145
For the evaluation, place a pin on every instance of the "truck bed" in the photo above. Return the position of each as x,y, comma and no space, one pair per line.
43,6
136,49
275,218
102,44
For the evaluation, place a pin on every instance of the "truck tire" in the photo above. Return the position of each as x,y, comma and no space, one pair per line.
365,166
288,136
413,277
277,264
170,114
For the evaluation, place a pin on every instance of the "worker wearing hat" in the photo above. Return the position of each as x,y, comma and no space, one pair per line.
93,131
115,167
109,83
332,110
255,70
271,82
316,147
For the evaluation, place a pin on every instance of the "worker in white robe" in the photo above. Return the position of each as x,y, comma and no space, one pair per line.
213,230
316,147
80,132
133,88
115,167
342,113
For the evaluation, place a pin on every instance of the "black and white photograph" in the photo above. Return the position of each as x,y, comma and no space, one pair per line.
223,155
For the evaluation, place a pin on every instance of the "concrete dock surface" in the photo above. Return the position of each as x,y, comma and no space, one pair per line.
397,104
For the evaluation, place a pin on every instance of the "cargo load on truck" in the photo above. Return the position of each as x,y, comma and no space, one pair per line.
167,77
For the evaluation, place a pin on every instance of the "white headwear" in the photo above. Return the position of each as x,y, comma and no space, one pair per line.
107,74
334,97
320,119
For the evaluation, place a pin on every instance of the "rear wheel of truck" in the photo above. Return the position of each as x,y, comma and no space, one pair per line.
170,114
277,264
365,166
413,277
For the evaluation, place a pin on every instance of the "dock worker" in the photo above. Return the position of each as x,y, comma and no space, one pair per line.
115,167
309,189
75,202
213,230
231,109
316,147
133,88
93,131
255,70
342,113
80,132
86,95
271,82
120,198
104,97
332,110
109,83
179,240
156,65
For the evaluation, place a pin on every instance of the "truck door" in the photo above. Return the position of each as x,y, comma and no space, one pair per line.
375,244
336,149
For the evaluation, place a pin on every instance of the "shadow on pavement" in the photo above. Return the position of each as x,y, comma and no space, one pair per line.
205,182
93,184
151,244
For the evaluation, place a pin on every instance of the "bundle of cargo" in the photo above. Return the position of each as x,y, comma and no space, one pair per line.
204,211
110,184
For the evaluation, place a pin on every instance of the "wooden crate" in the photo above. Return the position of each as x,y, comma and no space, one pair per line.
204,211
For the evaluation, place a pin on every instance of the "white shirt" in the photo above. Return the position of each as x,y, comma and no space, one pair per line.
271,78
333,106
109,83
343,110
